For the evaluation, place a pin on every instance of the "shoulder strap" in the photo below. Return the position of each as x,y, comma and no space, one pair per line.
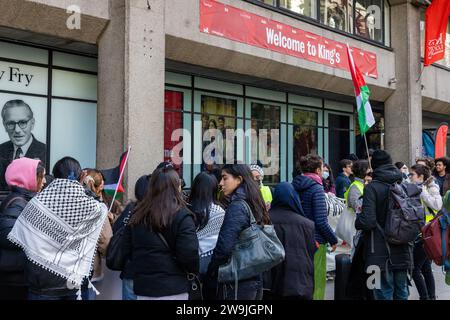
164,241
249,211
13,200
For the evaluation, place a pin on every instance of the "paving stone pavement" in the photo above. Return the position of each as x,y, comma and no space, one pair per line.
442,289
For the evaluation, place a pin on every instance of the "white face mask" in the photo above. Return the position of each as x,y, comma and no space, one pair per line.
325,175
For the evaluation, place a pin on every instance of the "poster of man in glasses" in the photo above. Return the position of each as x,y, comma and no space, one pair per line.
19,123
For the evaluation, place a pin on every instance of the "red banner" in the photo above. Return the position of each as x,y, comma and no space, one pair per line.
239,25
440,138
436,20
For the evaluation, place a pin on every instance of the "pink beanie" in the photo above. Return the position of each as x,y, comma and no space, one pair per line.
22,173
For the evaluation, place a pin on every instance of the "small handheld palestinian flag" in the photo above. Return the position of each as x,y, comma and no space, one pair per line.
365,115
114,177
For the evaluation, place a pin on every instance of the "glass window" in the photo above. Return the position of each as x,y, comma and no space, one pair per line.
305,134
74,61
74,85
271,2
265,116
337,14
72,123
23,78
218,115
74,132
304,7
368,17
338,139
387,24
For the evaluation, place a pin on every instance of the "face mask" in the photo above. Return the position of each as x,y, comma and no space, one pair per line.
325,175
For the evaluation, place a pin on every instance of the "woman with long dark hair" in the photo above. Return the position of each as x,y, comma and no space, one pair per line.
161,240
237,183
328,179
208,215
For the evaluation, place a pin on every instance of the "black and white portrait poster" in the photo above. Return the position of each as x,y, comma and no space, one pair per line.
24,130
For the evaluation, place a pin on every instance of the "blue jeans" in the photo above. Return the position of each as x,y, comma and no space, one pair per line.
247,290
394,286
88,294
127,290
33,296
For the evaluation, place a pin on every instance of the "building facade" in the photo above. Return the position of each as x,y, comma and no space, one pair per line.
133,71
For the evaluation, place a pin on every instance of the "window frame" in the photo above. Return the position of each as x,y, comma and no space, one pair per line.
49,95
316,21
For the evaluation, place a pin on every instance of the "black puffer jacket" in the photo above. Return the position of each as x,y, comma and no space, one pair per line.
375,205
235,221
12,258
157,270
295,275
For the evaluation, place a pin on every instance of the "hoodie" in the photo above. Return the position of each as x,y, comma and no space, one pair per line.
315,207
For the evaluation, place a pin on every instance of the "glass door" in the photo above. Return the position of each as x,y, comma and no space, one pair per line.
339,138
266,138
305,135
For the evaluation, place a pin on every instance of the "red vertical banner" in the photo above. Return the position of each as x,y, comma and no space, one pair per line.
441,141
436,20
239,25
173,120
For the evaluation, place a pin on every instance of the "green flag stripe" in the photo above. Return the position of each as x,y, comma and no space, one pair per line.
363,99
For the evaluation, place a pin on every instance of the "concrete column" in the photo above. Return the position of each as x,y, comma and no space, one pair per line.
131,88
111,88
144,86
403,110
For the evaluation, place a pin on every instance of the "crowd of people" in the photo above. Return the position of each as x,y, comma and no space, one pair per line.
56,229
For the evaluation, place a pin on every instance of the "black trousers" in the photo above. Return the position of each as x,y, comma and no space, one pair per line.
13,292
423,274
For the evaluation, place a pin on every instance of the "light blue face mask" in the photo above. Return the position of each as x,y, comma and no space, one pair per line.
325,175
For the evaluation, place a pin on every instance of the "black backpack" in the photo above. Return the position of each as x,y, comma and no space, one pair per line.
405,215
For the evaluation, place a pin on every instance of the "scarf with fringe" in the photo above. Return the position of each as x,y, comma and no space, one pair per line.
59,229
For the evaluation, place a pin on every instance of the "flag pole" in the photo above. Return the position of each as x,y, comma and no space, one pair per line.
120,179
368,155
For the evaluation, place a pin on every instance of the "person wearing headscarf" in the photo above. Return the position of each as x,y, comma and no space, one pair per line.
294,277
258,176
25,177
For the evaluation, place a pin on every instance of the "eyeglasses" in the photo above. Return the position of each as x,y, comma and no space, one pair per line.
11,125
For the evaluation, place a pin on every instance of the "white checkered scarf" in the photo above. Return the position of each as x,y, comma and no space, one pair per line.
207,237
59,230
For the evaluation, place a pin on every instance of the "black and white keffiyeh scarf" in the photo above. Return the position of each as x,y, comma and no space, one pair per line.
207,237
59,230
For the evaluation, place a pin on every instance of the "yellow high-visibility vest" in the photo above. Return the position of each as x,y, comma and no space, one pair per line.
356,183
266,194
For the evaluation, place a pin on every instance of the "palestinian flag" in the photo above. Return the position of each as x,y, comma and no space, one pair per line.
365,115
113,177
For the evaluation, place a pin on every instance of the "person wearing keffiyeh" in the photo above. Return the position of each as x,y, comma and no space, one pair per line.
258,176
58,231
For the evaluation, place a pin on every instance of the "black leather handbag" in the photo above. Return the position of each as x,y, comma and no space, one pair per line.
115,255
258,250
